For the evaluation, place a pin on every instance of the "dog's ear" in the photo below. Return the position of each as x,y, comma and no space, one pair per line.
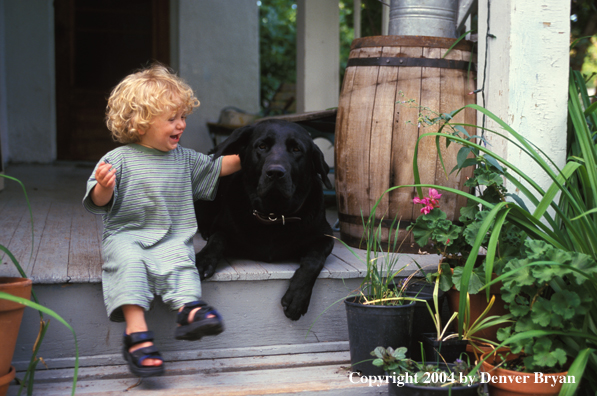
235,143
321,166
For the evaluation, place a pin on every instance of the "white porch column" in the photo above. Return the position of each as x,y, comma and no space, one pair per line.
526,77
318,54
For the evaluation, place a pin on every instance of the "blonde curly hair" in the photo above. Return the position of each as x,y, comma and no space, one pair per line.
143,95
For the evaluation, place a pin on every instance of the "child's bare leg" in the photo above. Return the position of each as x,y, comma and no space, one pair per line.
135,322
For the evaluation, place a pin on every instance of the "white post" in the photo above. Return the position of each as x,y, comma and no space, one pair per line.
356,16
526,76
385,17
318,54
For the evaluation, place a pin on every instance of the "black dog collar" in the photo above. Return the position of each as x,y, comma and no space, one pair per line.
273,219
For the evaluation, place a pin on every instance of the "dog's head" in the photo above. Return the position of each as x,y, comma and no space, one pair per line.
279,163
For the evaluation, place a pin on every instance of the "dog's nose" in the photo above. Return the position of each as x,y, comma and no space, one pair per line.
275,172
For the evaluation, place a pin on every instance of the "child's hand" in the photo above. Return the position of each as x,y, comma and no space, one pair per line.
104,189
106,175
230,164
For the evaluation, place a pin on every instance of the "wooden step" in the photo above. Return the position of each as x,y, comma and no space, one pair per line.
313,373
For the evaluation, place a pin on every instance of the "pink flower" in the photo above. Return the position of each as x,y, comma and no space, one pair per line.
433,194
430,202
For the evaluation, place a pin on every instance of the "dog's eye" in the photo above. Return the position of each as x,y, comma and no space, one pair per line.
296,149
262,146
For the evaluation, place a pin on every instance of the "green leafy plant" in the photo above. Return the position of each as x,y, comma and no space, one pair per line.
28,379
454,241
570,225
542,291
394,362
380,285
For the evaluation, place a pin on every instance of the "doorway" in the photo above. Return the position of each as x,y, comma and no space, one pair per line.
99,42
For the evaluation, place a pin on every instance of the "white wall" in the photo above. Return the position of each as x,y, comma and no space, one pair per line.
30,82
219,58
3,123
527,75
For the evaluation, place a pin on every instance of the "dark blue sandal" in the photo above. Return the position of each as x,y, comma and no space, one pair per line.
135,359
201,324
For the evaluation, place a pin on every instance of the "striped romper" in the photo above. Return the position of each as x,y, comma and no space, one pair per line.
147,243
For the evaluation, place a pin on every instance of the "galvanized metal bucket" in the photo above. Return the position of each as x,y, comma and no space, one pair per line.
435,18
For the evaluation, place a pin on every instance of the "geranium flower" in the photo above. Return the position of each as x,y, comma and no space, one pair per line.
430,202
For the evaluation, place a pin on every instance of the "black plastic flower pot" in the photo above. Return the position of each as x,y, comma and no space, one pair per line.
422,322
370,326
449,350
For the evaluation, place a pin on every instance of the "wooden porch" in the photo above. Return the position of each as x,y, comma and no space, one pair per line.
260,348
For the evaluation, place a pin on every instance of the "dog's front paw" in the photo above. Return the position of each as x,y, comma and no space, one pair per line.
205,267
295,303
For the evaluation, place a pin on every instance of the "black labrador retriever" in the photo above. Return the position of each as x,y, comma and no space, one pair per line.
271,210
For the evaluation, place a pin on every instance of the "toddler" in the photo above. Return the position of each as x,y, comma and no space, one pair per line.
145,191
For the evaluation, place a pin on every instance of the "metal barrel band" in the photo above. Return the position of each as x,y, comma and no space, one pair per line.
412,62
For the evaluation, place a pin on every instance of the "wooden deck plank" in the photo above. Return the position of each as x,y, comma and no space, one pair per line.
85,249
13,214
20,245
225,273
281,270
249,270
95,267
51,263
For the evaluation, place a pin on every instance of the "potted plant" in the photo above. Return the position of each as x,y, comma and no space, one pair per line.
448,346
454,244
15,294
570,226
379,312
406,377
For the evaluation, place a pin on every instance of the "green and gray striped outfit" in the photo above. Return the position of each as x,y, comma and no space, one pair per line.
147,244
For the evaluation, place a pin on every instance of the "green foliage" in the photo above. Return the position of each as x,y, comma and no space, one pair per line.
455,240
542,290
277,46
394,361
562,239
379,286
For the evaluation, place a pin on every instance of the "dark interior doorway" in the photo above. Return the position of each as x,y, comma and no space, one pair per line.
98,42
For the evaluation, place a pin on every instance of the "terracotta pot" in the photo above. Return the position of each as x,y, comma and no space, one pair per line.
478,305
474,350
514,383
6,379
11,314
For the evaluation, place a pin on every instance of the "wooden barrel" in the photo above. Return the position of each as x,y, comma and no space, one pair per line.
377,128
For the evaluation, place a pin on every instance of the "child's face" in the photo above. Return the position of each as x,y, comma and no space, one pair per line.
165,131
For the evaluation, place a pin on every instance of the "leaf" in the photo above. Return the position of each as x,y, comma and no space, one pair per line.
519,201
541,312
379,352
492,161
462,155
564,303
400,353
519,310
476,281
